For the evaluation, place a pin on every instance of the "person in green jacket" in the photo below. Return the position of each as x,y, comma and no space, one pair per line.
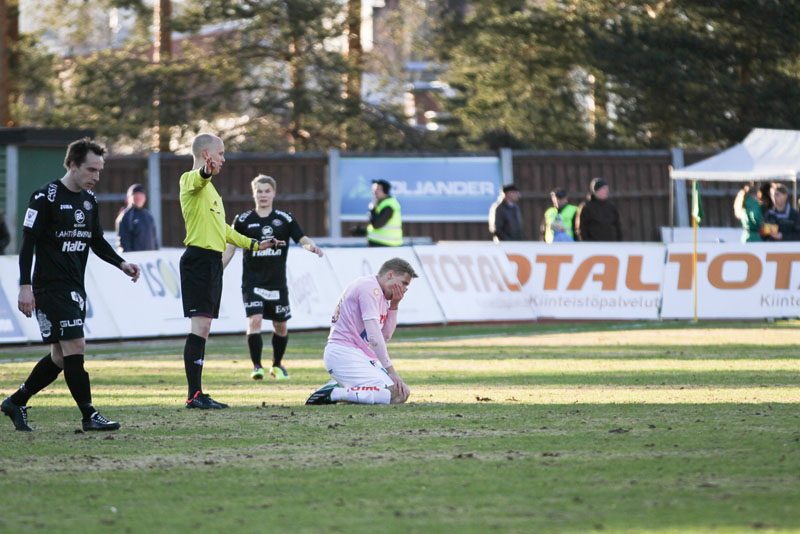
559,220
747,209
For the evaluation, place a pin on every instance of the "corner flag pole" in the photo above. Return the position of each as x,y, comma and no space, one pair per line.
694,252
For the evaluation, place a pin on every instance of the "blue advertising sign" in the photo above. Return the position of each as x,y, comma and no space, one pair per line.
428,189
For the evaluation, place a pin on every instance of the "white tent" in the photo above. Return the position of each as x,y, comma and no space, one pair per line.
764,155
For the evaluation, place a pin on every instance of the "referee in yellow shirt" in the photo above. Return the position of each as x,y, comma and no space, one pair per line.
207,235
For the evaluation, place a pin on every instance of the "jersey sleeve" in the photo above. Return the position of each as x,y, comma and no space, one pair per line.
194,181
295,232
368,303
238,224
235,238
37,215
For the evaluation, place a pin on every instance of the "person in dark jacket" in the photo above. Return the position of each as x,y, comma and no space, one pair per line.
136,227
5,237
597,218
782,221
505,217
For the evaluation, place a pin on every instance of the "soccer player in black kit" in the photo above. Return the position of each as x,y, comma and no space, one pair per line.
60,227
264,289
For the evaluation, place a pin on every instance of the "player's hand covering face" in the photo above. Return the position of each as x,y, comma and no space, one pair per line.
397,285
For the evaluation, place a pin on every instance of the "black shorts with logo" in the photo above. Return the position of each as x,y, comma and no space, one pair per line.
61,314
201,282
273,304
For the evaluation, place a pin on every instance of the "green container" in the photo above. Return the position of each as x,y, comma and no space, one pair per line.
29,158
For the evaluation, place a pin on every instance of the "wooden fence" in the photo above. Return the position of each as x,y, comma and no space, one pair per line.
638,180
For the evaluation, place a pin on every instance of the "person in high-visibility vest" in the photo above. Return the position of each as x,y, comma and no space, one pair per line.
560,218
385,224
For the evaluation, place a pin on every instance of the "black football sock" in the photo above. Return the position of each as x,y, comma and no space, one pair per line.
256,345
278,348
193,353
44,373
78,383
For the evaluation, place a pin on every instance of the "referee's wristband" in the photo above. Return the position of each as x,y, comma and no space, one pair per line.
253,244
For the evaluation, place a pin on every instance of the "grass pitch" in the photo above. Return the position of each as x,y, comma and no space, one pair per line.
657,428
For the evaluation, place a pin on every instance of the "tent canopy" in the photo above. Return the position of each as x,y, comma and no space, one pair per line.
764,155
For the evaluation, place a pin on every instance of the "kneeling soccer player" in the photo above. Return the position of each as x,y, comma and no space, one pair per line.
356,355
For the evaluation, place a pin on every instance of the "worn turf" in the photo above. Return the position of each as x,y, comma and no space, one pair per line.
659,428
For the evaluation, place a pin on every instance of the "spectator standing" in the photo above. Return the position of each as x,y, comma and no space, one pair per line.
5,237
505,217
559,219
136,227
747,209
597,218
385,222
782,220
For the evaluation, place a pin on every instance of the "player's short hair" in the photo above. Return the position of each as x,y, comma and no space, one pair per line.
203,142
77,151
398,265
263,179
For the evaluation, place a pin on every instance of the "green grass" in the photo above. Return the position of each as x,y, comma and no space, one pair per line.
648,427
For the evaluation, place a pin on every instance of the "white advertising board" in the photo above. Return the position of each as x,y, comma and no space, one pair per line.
590,281
419,305
151,306
313,289
735,280
14,327
474,282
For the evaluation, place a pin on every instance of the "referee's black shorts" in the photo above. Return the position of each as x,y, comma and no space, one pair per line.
201,282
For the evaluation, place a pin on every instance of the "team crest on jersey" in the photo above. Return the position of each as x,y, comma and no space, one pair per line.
267,231
79,216
376,291
277,222
51,192
30,217
45,326
87,205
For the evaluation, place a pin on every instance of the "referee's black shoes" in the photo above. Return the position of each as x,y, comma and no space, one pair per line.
201,401
98,422
18,414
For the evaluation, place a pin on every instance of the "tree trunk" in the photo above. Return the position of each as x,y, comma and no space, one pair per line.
162,50
9,36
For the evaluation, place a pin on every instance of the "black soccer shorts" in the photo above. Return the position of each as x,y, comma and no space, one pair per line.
201,282
61,314
273,304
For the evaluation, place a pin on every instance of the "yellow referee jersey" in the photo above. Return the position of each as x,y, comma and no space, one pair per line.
204,215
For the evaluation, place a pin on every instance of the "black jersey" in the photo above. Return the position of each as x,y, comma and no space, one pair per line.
64,226
267,268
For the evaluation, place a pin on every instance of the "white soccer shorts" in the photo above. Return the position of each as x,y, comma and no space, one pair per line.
350,367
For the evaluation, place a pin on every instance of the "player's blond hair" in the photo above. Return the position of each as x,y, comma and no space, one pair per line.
398,265
263,179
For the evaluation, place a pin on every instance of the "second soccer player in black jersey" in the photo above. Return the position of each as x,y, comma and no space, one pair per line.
264,289
60,227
